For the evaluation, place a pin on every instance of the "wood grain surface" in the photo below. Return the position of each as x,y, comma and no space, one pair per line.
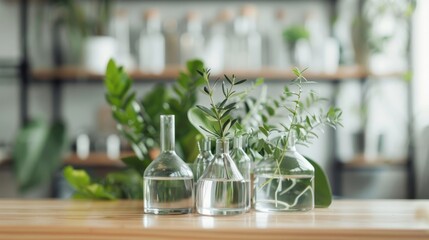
54,219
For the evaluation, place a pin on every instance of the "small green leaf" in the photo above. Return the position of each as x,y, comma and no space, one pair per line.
78,179
264,131
227,78
226,113
230,106
206,111
222,103
240,82
206,90
224,89
259,82
270,111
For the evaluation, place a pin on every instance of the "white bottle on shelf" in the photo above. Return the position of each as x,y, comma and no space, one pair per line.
151,44
120,30
192,39
216,43
245,48
278,50
172,36
317,35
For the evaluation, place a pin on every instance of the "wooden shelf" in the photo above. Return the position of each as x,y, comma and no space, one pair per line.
171,73
93,160
363,162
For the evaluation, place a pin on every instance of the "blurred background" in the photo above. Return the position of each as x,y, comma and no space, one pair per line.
368,56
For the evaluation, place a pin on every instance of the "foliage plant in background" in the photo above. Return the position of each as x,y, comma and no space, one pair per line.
294,33
138,121
38,152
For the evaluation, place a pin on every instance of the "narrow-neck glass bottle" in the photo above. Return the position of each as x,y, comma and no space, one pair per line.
221,190
244,165
204,157
168,180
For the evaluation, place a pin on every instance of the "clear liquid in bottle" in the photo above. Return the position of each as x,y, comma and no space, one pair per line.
222,189
168,181
167,195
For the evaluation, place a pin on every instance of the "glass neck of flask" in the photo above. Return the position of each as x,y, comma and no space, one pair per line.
167,133
291,142
222,146
238,143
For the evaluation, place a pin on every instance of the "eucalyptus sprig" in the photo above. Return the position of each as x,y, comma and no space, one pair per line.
220,112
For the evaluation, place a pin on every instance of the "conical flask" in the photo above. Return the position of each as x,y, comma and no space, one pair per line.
168,180
221,190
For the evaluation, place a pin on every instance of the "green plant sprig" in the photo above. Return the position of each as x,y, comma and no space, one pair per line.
302,124
220,112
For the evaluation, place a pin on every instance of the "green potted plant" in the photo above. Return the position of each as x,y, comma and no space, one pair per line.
81,29
295,36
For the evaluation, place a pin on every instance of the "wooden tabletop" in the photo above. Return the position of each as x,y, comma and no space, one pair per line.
53,219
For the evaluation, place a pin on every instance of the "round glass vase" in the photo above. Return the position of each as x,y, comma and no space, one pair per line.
168,180
284,185
221,190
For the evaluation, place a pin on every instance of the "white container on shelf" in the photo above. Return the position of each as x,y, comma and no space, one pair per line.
245,48
120,30
216,42
192,40
278,50
97,52
152,44
331,55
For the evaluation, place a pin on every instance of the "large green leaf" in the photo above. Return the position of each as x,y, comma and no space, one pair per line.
322,188
200,121
38,152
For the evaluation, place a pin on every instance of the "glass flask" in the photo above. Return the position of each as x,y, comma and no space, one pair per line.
284,185
244,164
204,157
221,190
168,180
